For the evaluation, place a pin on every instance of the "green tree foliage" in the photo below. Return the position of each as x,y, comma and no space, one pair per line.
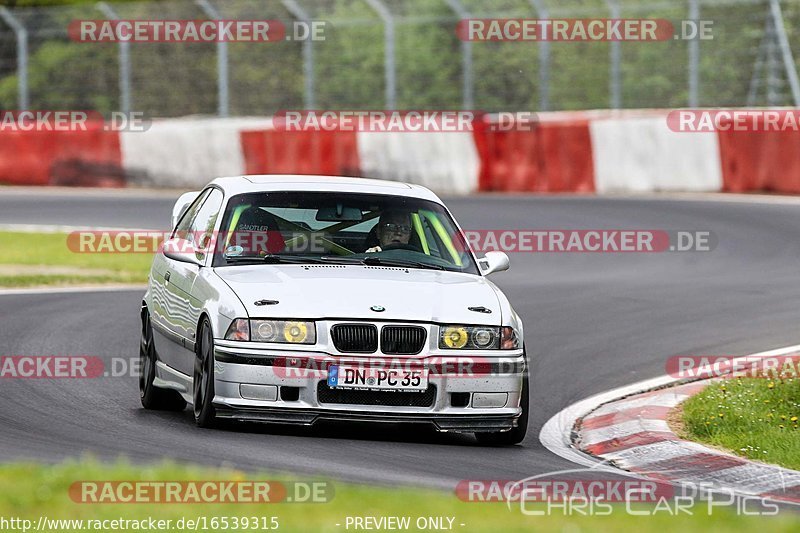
174,79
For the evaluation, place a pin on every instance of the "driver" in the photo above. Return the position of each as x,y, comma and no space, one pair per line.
394,230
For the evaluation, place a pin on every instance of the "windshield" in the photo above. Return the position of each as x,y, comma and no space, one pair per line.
340,228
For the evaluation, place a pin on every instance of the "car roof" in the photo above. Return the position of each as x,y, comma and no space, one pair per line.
294,182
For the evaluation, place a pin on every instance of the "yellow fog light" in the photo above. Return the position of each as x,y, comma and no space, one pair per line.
295,331
291,331
455,337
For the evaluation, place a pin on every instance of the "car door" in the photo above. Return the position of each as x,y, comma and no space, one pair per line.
184,275
166,298
171,293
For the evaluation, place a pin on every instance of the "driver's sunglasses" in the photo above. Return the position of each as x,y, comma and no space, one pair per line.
396,228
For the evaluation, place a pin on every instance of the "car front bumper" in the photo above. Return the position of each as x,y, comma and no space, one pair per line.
467,393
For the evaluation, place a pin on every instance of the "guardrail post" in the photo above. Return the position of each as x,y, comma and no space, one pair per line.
468,90
389,53
23,95
308,52
544,58
694,56
786,51
615,83
755,79
124,62
223,94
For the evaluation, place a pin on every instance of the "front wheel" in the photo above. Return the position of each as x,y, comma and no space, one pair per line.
205,415
515,435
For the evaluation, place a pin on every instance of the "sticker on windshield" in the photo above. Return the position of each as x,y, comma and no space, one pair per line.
234,251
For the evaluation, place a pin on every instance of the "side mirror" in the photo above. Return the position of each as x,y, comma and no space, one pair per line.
181,205
183,251
493,262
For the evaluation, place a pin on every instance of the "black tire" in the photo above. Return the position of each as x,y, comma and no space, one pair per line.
152,397
517,434
205,416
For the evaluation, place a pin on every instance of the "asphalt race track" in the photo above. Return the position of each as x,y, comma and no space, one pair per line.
593,322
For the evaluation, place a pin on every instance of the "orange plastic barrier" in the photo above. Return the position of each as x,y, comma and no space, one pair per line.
86,158
552,157
760,161
271,151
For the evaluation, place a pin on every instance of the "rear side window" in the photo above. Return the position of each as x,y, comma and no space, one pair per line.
183,227
197,225
206,217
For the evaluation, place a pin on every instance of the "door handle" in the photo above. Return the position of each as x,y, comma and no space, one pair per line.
166,277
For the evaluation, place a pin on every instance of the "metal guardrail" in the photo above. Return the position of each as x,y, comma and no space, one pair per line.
399,55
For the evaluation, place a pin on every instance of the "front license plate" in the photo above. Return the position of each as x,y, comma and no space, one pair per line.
354,377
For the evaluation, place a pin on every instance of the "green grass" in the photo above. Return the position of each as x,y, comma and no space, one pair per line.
29,256
33,490
753,417
23,281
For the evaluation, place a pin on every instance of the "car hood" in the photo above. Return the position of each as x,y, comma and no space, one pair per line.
350,291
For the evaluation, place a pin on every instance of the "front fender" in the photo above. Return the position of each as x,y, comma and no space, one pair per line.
508,316
220,303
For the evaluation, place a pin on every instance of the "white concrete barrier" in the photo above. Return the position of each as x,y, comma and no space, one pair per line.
631,151
187,152
641,154
444,162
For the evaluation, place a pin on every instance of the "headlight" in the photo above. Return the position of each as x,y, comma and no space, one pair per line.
469,337
284,331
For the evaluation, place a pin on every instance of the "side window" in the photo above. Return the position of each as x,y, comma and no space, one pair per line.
182,230
202,226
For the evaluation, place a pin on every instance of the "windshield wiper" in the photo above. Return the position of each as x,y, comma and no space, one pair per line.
291,259
341,260
380,261
273,259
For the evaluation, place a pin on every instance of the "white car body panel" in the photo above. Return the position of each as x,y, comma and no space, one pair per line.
320,291
328,294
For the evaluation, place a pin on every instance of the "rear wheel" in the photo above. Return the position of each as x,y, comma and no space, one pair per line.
203,384
152,397
517,434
